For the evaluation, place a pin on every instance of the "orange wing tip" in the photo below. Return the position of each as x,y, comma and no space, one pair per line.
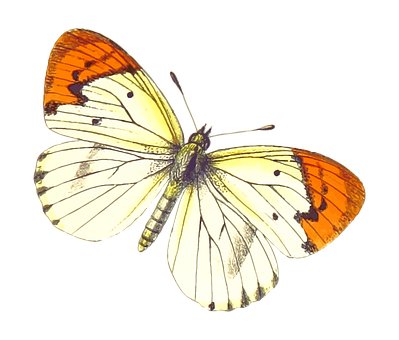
336,197
80,56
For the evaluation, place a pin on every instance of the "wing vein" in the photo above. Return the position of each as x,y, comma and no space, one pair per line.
248,207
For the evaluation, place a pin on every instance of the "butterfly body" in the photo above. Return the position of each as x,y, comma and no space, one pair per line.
190,161
231,203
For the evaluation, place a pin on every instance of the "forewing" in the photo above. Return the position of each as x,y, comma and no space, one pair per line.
95,91
93,191
216,257
299,200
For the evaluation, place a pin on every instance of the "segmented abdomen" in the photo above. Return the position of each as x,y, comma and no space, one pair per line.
160,215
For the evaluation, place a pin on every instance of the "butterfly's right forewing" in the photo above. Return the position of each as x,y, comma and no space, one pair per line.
92,191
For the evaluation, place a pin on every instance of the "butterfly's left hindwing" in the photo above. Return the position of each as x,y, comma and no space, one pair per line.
216,257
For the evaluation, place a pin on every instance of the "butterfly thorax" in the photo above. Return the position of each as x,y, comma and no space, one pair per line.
189,162
191,159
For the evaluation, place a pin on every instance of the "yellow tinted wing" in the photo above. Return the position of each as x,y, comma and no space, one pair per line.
299,200
96,92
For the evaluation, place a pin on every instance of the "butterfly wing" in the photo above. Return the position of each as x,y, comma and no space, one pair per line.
215,255
95,91
93,191
300,201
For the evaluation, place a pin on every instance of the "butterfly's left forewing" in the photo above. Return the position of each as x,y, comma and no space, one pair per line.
299,200
216,257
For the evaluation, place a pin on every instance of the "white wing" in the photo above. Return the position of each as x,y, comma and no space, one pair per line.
216,257
93,191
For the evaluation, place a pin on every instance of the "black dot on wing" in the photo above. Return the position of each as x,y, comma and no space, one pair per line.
130,94
76,88
89,63
323,205
96,121
276,172
275,217
75,75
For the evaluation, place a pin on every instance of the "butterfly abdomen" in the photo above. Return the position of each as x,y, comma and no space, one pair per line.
160,215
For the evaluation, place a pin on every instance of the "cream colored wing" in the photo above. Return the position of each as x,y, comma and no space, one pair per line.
123,110
216,257
93,191
96,92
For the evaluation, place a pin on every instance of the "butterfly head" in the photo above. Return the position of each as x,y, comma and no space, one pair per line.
201,138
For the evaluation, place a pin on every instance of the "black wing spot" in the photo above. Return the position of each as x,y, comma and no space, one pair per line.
76,89
130,94
47,207
245,301
277,172
211,306
40,191
324,189
75,75
323,205
42,156
275,217
312,215
297,216
297,159
309,247
89,63
260,293
39,175
96,121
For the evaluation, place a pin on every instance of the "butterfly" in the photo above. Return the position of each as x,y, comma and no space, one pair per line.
231,203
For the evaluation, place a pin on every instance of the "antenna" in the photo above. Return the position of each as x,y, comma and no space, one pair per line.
268,127
174,78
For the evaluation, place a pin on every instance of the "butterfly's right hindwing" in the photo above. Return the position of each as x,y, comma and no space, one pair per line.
92,191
